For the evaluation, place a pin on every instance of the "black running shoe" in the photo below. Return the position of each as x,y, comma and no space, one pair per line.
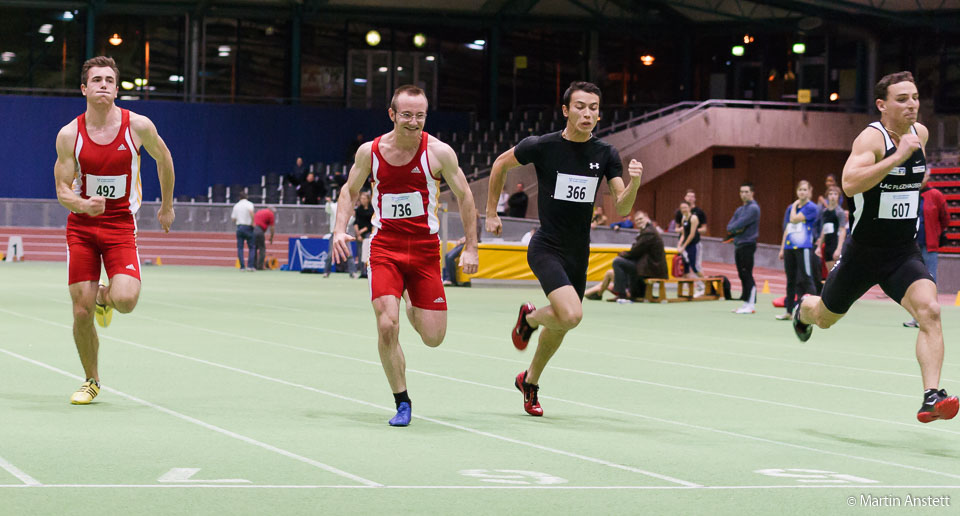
938,405
803,331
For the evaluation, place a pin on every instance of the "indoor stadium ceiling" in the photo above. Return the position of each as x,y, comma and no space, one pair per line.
805,14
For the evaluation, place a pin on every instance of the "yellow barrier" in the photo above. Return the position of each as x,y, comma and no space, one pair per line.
509,262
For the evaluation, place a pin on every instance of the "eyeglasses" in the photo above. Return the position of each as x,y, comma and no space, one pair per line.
407,116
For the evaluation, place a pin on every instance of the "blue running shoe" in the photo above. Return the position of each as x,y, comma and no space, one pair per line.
403,415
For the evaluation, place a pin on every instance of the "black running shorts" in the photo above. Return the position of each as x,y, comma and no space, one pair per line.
557,265
861,267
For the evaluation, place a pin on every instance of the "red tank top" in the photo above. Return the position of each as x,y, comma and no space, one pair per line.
111,170
405,197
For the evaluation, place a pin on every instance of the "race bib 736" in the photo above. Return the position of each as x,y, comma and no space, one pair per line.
401,206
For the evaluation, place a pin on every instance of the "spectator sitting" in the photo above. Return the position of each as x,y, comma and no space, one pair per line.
525,239
451,260
645,259
517,203
599,219
311,190
626,223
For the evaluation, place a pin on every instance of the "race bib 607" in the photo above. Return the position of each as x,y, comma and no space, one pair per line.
899,205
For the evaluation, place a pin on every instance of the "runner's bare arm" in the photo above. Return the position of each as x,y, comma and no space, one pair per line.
626,195
348,198
498,176
157,149
866,166
453,175
65,170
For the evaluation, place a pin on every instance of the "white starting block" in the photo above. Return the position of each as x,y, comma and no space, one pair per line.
14,249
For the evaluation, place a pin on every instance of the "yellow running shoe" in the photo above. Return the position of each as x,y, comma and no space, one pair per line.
86,393
103,313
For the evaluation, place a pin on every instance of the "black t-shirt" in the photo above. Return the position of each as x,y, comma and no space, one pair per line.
886,215
701,216
568,176
362,218
686,230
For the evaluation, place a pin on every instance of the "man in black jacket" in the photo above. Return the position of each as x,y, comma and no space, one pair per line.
645,259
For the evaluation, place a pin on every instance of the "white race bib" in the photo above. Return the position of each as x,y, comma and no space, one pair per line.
575,188
899,205
401,206
796,228
111,187
828,228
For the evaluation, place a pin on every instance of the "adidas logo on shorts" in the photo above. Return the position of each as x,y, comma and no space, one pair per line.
439,300
122,147
132,267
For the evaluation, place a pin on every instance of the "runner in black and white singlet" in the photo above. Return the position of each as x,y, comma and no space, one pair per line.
569,165
882,180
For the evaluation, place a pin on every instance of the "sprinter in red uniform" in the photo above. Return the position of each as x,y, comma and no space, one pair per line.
98,180
407,165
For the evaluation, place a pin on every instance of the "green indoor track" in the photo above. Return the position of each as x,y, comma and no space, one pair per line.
234,393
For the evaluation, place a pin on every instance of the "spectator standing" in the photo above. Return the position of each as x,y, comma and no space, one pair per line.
688,244
517,203
311,190
796,248
502,204
298,173
243,215
691,199
363,226
744,227
833,229
262,220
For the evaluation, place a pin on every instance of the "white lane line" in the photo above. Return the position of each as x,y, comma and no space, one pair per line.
333,395
858,487
17,472
586,405
203,424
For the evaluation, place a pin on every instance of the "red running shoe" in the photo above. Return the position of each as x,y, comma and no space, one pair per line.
530,402
938,405
522,331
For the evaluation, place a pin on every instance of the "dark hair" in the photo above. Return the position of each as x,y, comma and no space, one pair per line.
803,182
408,89
748,184
690,190
588,87
98,61
685,202
880,90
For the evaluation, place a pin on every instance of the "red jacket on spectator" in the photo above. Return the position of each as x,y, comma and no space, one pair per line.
935,217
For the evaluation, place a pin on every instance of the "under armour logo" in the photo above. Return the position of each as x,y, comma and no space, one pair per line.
594,166
122,147
416,170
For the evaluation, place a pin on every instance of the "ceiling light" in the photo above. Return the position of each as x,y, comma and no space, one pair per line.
431,58
474,46
480,42
799,48
223,48
647,59
45,28
747,39
737,50
834,97
176,78
115,39
66,16
6,57
419,40
359,80
399,68
373,38
49,39
382,69
127,85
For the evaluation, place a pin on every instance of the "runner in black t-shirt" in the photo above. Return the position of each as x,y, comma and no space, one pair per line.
569,165
882,179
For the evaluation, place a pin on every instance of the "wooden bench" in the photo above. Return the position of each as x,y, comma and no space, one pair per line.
713,289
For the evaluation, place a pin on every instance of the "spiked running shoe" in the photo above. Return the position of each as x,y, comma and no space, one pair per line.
803,331
522,331
938,405
86,393
530,402
103,313
403,415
